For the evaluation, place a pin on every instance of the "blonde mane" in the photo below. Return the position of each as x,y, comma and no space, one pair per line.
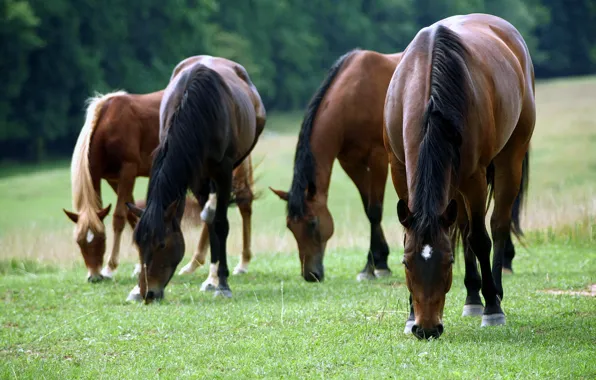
85,200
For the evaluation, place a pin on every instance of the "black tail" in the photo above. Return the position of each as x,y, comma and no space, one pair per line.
442,127
199,107
521,197
304,161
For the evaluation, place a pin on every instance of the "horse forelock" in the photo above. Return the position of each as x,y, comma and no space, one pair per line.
304,178
442,128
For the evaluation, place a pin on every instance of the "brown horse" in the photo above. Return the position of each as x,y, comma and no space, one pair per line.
211,117
344,120
460,102
116,142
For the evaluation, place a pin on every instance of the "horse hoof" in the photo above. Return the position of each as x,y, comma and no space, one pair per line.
226,293
208,287
409,324
187,269
365,276
382,273
108,273
493,320
134,295
472,311
240,269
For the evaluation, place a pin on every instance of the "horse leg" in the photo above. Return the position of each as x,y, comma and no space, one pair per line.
219,229
473,305
508,174
126,182
370,180
198,257
475,191
245,207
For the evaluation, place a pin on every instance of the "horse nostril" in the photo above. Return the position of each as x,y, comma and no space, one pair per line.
440,329
421,333
150,295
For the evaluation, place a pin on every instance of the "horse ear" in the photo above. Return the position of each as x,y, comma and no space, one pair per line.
171,210
136,211
104,212
72,216
404,214
284,196
450,214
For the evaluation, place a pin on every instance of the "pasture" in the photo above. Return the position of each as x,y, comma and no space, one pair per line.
56,325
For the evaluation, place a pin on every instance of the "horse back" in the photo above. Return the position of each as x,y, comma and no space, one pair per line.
127,131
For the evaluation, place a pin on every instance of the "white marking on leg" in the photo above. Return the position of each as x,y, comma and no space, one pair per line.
212,280
208,212
241,268
90,236
135,294
107,272
426,252
137,270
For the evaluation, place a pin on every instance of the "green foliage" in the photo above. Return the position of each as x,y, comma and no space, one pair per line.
56,54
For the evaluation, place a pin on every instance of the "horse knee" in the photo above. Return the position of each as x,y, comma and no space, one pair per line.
119,220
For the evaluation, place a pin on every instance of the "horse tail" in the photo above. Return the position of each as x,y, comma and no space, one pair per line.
84,197
304,177
521,196
442,127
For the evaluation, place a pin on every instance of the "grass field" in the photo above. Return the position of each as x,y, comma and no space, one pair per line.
56,325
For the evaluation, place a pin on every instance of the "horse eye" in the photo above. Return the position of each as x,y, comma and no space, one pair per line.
405,264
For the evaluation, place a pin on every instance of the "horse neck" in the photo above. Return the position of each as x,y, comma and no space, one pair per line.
325,147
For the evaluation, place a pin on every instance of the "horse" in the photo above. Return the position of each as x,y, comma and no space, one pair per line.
211,117
343,120
116,143
243,196
460,105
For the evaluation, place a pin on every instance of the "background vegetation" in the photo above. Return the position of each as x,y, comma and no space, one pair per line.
57,53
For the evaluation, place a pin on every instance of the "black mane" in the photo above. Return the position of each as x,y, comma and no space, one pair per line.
304,161
442,127
200,113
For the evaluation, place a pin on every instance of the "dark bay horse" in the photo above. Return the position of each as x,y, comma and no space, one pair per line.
211,117
344,120
120,133
460,102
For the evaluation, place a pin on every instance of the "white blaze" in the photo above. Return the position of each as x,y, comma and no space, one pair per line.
426,252
90,236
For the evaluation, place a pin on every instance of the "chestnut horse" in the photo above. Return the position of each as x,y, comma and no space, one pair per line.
460,101
344,120
211,117
116,142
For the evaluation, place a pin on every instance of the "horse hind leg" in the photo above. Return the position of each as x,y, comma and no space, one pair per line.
198,257
475,191
245,207
508,175
370,179
473,304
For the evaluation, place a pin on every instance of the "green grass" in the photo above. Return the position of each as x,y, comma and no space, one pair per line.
55,325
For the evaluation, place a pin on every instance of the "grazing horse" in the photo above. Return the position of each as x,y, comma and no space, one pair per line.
115,143
460,102
344,120
211,117
120,133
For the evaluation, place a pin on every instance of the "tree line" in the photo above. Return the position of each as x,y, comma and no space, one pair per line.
56,53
